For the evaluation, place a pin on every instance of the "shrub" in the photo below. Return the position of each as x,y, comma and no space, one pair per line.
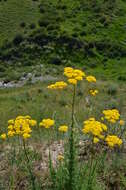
122,78
22,24
2,68
32,26
18,39
43,22
56,61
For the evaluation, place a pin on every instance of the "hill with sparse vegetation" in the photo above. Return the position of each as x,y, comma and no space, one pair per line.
90,34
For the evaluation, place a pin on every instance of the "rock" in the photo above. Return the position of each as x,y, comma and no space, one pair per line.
29,75
1,84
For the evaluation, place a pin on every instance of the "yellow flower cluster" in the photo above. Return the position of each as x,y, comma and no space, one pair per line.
3,136
96,128
21,126
91,78
122,122
73,75
113,140
47,123
63,128
95,140
111,115
58,85
60,157
93,92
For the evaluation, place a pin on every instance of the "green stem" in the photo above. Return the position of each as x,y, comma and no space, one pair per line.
71,143
28,165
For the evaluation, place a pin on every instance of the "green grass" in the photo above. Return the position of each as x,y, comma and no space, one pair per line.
13,13
99,27
39,102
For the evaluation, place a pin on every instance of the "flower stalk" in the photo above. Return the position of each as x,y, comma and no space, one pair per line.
28,166
71,145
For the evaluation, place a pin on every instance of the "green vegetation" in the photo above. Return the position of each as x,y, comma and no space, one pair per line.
85,33
13,14
98,168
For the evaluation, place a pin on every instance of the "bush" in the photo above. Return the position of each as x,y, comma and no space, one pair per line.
18,39
122,78
56,61
2,68
43,22
22,24
32,26
42,10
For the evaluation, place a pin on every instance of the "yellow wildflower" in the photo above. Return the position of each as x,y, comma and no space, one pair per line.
11,122
58,85
63,128
91,78
60,157
95,140
113,140
47,123
73,75
11,133
27,117
111,115
26,135
20,126
32,123
10,127
96,128
72,81
3,136
122,122
93,92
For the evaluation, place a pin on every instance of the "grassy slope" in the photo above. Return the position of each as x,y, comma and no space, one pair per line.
39,102
12,13
81,22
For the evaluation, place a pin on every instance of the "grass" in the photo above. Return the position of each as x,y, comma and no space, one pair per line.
39,102
33,100
12,14
100,30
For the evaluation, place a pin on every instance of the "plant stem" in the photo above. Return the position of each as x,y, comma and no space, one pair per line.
71,144
28,165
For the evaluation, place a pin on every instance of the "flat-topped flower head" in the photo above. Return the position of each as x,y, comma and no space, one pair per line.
47,123
73,75
63,128
93,92
91,78
111,115
113,140
58,85
20,126
72,81
95,128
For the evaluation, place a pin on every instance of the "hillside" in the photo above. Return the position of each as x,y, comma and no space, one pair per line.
90,33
